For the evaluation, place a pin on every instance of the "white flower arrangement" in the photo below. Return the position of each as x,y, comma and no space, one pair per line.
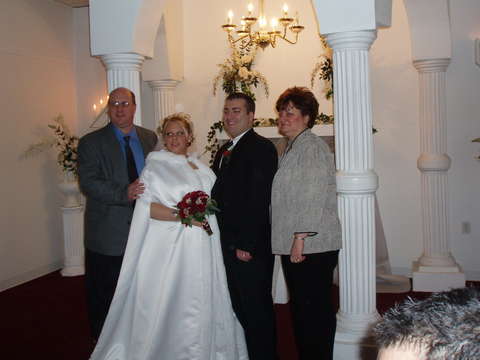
237,75
65,143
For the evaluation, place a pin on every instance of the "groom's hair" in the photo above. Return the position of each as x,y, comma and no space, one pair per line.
250,104
444,326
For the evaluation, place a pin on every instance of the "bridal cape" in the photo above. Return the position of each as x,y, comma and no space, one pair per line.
172,300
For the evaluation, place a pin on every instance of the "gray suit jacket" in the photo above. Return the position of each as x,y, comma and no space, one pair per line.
103,178
304,197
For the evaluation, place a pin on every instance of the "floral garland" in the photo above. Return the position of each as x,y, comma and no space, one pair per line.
324,70
217,127
65,143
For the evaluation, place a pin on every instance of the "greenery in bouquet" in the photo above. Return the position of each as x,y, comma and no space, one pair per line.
65,143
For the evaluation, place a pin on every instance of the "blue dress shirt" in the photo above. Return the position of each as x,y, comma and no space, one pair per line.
135,145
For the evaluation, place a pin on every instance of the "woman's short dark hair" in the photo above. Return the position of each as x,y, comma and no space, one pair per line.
302,99
249,103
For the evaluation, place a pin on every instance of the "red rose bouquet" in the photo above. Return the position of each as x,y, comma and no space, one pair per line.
196,205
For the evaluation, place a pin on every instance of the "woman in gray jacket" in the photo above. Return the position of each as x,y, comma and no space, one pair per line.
305,226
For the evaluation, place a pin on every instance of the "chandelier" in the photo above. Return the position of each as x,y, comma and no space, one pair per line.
262,36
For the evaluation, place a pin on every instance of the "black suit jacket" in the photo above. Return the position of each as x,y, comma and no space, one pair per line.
103,178
243,191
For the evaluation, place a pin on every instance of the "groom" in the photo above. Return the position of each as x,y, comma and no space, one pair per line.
245,167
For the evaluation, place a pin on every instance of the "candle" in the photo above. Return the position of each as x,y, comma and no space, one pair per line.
230,16
274,24
262,22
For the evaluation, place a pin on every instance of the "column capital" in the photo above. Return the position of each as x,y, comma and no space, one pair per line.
126,61
163,84
431,65
358,40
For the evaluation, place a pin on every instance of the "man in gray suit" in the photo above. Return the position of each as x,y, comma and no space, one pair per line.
109,161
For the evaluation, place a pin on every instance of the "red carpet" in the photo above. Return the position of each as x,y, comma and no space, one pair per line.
46,319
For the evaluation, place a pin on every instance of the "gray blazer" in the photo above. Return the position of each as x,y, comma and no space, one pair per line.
103,178
304,197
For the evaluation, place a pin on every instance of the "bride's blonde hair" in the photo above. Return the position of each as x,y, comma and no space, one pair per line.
182,118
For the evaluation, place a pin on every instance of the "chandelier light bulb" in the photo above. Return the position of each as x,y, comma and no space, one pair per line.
250,8
285,9
230,17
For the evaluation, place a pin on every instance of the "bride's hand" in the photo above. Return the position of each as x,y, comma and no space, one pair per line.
197,223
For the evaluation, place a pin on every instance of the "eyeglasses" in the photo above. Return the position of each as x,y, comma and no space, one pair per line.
117,104
180,133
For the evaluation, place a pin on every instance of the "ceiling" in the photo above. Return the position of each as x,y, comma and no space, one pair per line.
74,3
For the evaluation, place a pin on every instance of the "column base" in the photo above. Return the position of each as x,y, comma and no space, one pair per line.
436,278
73,270
351,347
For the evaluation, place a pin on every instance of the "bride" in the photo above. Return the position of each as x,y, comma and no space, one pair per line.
171,301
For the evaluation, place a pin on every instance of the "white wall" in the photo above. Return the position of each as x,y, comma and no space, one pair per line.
36,72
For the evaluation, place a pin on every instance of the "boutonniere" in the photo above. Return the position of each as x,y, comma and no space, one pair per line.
226,153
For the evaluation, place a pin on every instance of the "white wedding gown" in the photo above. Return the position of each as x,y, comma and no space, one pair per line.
172,300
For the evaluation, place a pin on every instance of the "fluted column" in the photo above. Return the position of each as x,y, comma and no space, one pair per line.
356,183
123,70
163,97
433,163
73,241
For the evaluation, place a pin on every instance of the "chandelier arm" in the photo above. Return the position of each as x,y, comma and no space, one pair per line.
293,42
234,41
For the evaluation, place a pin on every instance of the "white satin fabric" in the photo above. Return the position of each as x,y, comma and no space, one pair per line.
172,300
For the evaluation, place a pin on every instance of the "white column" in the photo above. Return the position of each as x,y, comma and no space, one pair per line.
123,70
356,186
73,241
436,269
163,97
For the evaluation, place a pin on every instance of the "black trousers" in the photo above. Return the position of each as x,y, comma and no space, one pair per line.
250,286
314,318
101,276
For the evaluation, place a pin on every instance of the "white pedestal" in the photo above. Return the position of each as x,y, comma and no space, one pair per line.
73,239
437,278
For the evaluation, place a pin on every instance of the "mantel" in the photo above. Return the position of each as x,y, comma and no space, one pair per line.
271,132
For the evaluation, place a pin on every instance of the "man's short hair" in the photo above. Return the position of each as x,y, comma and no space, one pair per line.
250,104
444,326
